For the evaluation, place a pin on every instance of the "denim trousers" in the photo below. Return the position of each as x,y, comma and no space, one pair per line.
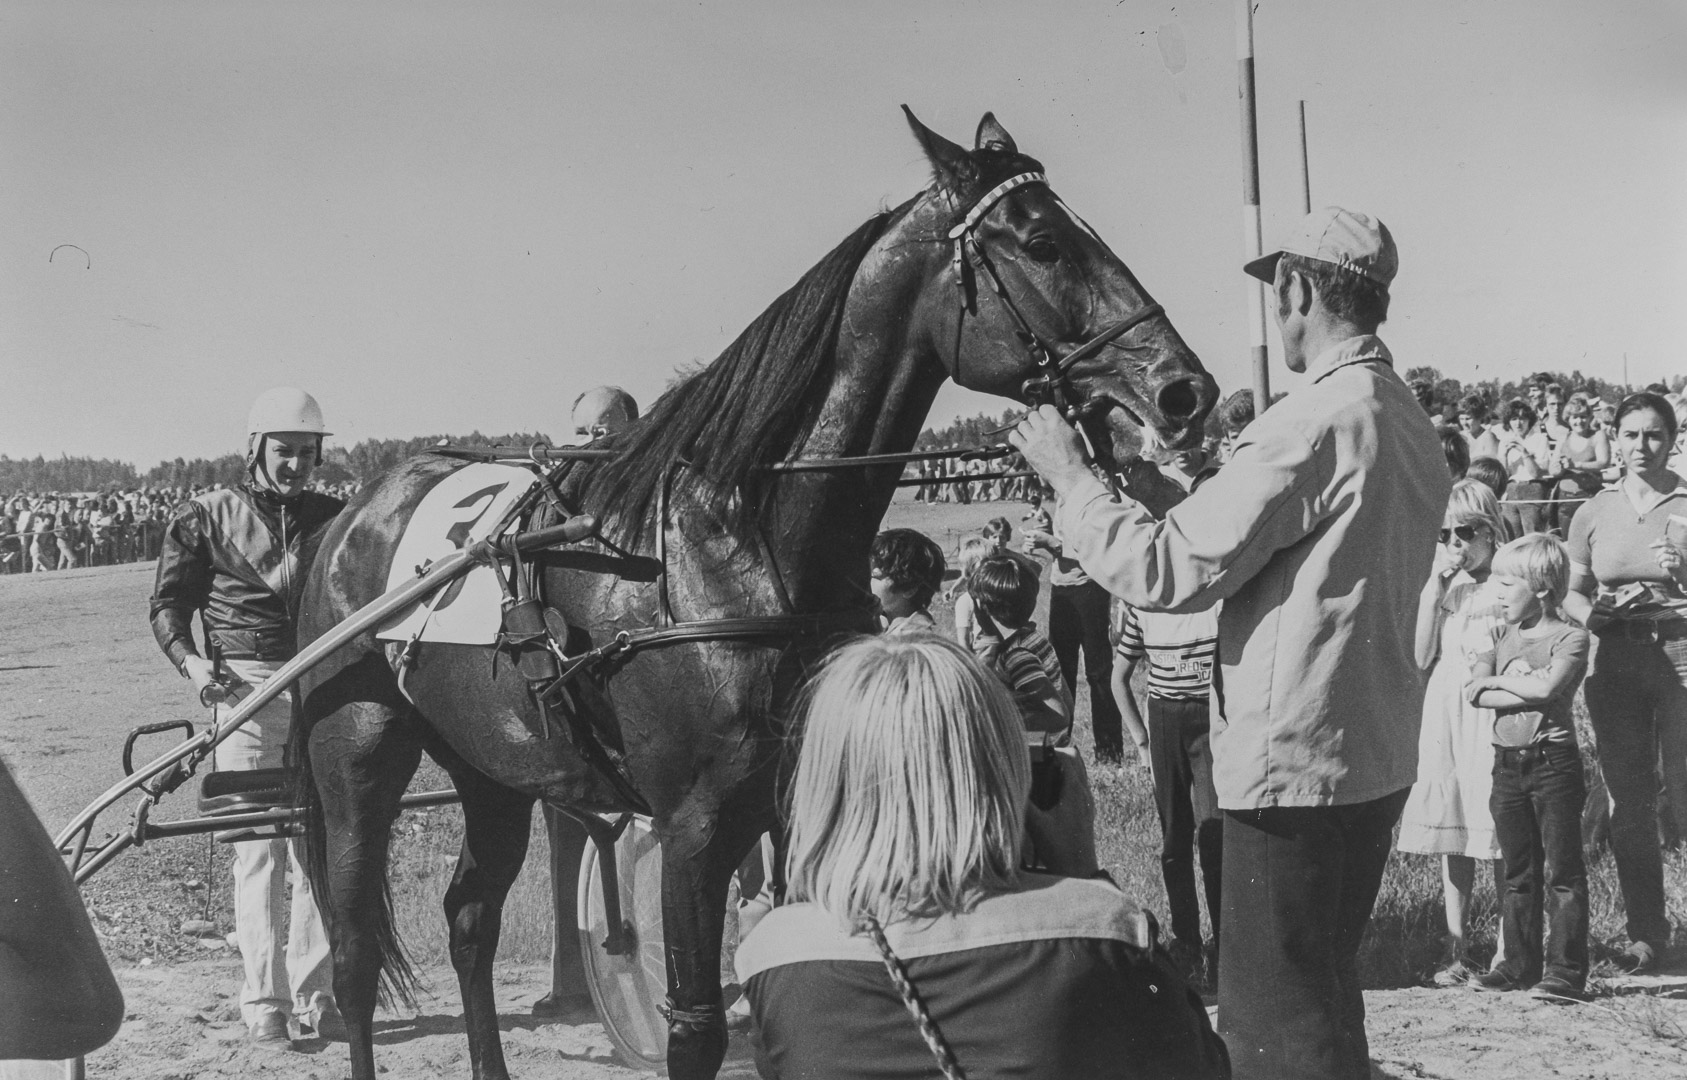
1537,806
1299,884
1182,759
1637,701
1078,620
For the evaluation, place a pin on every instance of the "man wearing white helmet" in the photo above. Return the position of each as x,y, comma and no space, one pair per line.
233,556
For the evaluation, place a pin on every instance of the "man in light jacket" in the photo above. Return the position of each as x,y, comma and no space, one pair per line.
1317,535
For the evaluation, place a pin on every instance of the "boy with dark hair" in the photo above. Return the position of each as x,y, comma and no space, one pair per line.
907,568
1004,593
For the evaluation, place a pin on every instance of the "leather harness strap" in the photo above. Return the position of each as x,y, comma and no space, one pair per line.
1053,386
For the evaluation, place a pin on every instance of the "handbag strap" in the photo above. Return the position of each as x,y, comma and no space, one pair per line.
916,1008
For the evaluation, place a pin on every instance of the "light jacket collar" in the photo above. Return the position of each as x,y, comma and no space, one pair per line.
1355,350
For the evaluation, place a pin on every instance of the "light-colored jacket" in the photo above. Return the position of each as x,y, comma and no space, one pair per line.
1318,535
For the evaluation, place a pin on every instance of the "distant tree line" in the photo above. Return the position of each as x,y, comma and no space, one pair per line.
360,463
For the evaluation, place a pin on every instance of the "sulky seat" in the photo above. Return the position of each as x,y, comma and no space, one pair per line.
234,791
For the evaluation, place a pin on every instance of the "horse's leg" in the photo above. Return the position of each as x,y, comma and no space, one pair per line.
699,855
362,754
496,820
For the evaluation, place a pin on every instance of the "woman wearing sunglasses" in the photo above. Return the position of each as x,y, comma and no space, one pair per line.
1447,811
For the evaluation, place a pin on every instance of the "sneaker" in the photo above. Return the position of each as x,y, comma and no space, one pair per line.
269,1031
1494,982
1556,989
328,1023
1640,958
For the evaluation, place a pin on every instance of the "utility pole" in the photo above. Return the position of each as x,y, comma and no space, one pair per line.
1305,171
1250,204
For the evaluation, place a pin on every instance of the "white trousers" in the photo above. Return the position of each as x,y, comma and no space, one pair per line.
296,978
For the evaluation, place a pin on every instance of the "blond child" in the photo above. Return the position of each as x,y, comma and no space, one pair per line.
1529,678
1447,812
972,552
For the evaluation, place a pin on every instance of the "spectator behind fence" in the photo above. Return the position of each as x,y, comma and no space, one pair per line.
909,813
1457,452
1320,694
58,998
1525,453
1528,675
1626,586
1473,416
1583,455
1447,812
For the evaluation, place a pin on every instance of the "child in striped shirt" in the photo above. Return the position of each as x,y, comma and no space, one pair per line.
1004,593
1181,651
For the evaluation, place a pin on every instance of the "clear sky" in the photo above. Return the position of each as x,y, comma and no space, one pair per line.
443,217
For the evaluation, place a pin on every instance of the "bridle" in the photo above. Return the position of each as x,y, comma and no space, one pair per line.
1052,385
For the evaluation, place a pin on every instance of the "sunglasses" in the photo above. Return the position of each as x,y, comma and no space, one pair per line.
1467,533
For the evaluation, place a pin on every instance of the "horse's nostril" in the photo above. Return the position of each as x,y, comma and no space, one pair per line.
1179,400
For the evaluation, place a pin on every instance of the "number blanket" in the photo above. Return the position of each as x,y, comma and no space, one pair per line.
461,509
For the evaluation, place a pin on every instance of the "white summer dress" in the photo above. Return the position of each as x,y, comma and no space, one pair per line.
1447,812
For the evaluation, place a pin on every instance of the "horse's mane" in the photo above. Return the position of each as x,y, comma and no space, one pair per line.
750,407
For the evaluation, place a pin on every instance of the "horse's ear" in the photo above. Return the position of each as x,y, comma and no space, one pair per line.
993,136
950,162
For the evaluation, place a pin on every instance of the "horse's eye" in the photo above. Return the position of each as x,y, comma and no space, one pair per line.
1042,249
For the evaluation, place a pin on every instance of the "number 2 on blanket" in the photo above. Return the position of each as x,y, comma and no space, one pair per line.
458,534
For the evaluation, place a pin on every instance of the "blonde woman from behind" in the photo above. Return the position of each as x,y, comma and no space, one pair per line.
908,817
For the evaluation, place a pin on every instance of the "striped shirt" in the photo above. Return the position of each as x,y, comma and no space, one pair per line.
1027,665
1181,651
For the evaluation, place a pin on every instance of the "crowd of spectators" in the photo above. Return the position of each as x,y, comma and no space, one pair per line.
941,479
55,530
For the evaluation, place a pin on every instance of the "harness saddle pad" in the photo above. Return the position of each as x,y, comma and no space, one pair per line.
460,509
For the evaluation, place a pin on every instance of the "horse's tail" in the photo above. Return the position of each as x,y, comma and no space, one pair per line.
398,974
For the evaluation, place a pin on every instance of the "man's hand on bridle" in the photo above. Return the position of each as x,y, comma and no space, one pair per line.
1052,447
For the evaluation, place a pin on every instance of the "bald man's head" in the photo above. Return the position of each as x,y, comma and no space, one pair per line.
603,410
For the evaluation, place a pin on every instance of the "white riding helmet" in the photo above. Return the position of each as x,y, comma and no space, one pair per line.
281,409
285,409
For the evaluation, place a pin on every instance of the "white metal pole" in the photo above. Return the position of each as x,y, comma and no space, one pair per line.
1305,169
1250,204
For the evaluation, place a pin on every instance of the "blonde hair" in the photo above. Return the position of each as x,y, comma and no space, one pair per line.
1539,560
909,793
1473,503
973,550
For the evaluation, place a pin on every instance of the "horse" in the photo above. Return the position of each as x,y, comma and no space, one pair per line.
732,483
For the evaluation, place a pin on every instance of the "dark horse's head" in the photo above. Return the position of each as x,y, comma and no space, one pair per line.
1043,311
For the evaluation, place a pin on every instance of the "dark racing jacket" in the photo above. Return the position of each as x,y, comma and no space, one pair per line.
234,554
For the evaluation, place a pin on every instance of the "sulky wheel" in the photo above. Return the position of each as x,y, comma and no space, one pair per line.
628,989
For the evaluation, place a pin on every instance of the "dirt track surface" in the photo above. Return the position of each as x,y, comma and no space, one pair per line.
78,669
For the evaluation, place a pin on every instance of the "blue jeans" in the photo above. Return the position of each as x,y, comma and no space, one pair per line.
1299,884
1537,807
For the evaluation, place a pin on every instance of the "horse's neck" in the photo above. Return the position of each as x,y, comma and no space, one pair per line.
886,379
